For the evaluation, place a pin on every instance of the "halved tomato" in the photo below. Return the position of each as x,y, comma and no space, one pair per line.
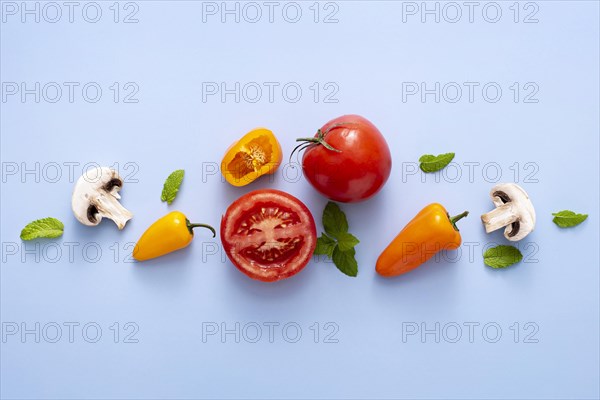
257,153
269,235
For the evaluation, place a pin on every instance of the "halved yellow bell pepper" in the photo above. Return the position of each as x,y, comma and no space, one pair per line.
257,153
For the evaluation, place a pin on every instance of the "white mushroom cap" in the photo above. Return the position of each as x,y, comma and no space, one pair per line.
96,196
514,211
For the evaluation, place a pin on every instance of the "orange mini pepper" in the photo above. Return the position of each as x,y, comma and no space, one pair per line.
171,232
430,231
257,153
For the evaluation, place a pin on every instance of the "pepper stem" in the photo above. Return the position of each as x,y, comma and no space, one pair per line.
456,218
191,227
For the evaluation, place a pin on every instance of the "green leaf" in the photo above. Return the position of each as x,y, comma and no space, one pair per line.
334,220
171,186
431,163
325,246
345,261
567,219
347,241
502,256
337,243
43,228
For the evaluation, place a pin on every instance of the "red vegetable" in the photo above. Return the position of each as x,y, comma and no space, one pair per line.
269,235
348,160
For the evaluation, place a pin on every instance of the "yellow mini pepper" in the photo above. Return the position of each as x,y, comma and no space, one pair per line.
171,232
430,231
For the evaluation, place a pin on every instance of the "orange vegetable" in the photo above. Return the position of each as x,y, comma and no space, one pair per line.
257,153
426,234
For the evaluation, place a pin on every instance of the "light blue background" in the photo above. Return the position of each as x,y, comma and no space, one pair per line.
368,53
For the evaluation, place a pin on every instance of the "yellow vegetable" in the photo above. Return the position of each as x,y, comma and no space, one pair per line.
172,232
257,153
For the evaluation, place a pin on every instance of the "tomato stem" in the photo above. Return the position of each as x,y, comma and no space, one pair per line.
191,227
319,139
302,146
337,126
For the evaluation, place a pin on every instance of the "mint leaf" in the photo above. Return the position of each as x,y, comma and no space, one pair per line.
171,186
431,163
43,228
341,251
334,220
567,219
347,241
325,246
502,256
345,261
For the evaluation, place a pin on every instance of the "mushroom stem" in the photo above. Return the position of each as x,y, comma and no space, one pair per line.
499,217
109,207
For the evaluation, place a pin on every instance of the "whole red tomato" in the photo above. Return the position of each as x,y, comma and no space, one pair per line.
348,160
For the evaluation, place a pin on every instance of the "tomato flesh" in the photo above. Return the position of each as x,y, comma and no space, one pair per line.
269,235
266,223
359,170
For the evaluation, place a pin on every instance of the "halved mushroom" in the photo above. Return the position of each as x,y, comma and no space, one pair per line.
513,210
96,196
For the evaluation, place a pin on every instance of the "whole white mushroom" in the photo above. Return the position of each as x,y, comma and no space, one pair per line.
96,196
